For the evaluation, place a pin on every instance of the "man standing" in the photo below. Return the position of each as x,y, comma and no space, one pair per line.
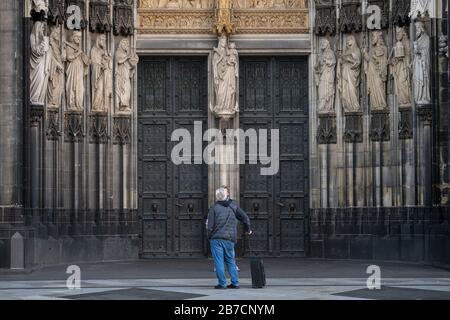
221,232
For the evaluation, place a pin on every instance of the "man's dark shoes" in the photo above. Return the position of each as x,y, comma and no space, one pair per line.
219,287
232,286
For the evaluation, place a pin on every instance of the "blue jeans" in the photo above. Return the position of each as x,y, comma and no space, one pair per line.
223,253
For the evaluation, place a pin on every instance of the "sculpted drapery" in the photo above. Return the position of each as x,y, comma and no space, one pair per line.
401,68
226,75
325,77
101,76
39,64
349,76
422,65
56,78
126,62
77,63
377,71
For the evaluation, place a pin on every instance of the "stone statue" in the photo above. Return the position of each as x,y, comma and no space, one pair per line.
421,66
401,67
349,76
38,64
101,75
56,78
325,77
126,62
77,69
226,77
377,71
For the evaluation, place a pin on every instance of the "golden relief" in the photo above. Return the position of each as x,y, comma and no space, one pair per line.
222,16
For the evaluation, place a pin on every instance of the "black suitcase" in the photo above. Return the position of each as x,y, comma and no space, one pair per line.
258,273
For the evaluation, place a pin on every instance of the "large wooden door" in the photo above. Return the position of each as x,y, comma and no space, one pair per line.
172,199
274,95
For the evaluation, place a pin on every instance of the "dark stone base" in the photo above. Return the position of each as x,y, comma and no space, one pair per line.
399,234
66,236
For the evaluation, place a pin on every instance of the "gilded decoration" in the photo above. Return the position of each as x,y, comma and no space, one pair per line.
209,16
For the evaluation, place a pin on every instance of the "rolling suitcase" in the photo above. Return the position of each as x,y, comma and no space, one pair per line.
258,273
256,269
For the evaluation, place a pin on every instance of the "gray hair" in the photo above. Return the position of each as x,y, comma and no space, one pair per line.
221,194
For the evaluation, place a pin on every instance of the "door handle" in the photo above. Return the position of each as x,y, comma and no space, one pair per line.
179,205
281,204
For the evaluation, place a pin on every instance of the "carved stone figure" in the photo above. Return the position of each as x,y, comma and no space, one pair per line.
377,71
401,67
349,76
126,62
421,66
38,64
56,77
226,76
325,77
101,75
77,69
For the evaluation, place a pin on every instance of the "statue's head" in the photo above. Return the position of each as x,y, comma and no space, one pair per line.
223,42
76,37
420,28
232,46
324,44
351,41
124,45
400,33
101,41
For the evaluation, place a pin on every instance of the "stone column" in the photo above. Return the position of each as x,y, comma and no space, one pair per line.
11,103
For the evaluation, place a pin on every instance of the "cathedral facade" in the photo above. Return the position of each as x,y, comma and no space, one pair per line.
348,100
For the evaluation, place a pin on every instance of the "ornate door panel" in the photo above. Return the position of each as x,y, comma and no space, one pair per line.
274,95
172,205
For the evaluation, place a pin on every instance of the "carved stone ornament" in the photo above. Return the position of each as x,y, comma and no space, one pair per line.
421,8
122,130
200,16
98,128
400,12
226,78
56,13
443,46
405,129
425,114
350,17
326,132
353,132
379,127
53,132
73,127
123,17
224,24
325,18
99,20
39,10
36,115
